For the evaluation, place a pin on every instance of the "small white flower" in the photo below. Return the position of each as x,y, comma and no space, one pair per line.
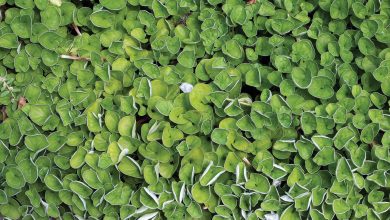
271,216
186,87
276,183
56,2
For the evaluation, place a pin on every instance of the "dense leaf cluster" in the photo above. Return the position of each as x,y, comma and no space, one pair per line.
195,109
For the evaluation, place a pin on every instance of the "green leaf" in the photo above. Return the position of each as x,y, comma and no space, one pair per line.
51,17
366,46
22,26
36,142
200,193
321,87
4,152
94,122
369,132
343,170
220,136
113,5
340,206
198,96
77,159
290,213
164,107
301,77
156,152
238,14
194,210
282,26
211,174
148,198
126,126
9,41
325,156
303,50
50,40
233,49
25,4
3,197
360,210
80,188
339,9
102,18
120,195
305,148
342,137
29,170
14,178
283,64
53,183
187,58
130,167
258,183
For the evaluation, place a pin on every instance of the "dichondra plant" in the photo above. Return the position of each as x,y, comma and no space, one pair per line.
195,109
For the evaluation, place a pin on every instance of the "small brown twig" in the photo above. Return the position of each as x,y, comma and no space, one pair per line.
22,102
249,2
4,113
76,28
246,161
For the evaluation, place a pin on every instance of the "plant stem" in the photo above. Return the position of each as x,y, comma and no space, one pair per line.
7,87
76,28
246,161
71,57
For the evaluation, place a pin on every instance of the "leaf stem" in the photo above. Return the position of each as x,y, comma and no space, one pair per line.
71,57
246,161
7,87
76,28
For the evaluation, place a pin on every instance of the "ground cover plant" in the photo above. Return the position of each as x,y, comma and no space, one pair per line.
195,109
